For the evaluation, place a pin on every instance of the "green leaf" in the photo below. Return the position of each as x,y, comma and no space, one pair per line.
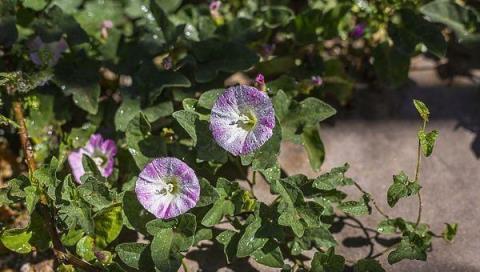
165,255
126,112
327,262
77,213
208,194
427,141
72,237
108,225
368,265
401,188
91,169
169,30
135,255
389,226
291,197
422,109
187,120
142,145
40,237
95,193
214,56
57,23
135,216
130,108
86,248
167,243
450,232
219,209
8,29
391,65
333,179
249,241
31,197
314,147
229,239
269,255
412,249
35,4
356,208
414,29
207,147
266,156
317,236
77,75
17,240
463,20
276,16
208,98
305,114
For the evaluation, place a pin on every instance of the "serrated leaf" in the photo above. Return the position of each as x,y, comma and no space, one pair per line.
427,141
95,193
356,208
333,179
401,188
408,249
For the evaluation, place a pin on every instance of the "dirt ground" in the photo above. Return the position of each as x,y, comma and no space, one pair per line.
377,137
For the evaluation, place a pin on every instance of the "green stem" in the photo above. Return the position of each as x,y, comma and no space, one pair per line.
417,173
184,265
373,200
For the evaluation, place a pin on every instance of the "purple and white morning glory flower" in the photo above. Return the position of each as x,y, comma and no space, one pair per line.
46,54
167,187
102,151
242,119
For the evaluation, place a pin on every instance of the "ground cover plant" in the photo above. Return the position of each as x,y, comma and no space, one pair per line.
127,127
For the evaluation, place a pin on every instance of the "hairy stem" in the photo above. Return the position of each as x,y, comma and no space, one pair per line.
49,220
417,173
373,200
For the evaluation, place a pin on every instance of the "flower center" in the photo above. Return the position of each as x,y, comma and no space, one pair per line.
99,159
171,186
247,120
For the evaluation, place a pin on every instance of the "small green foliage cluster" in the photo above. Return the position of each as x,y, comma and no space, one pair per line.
147,74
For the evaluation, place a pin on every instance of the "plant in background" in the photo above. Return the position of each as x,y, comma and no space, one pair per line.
132,95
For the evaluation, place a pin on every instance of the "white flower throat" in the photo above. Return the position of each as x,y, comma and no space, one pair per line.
247,120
